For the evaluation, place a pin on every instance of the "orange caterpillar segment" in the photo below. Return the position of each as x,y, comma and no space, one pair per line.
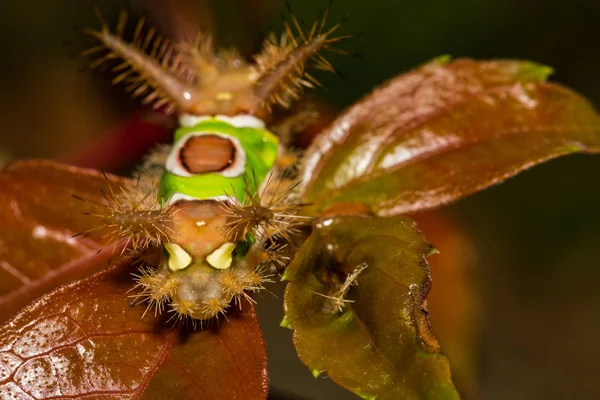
195,288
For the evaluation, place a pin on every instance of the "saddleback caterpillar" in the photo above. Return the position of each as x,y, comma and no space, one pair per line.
210,217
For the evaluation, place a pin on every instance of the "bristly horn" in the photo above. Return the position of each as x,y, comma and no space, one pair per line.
282,64
194,79
151,66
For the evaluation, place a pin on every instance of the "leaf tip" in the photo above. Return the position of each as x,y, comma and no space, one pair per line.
432,250
285,323
442,60
366,396
535,72
574,148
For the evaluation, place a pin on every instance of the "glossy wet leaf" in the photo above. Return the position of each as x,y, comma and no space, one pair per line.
380,346
39,218
85,340
444,131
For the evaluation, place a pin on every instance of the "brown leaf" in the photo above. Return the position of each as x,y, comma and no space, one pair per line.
444,131
39,218
85,340
380,345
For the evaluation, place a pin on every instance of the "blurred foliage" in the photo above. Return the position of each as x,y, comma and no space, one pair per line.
537,235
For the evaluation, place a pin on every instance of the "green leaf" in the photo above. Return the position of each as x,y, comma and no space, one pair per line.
380,345
444,131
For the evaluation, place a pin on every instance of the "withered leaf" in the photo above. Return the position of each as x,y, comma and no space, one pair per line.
85,340
380,345
444,131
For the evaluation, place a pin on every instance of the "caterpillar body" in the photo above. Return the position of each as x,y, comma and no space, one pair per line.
209,216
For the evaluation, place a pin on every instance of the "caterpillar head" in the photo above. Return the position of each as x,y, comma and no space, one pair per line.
195,79
201,270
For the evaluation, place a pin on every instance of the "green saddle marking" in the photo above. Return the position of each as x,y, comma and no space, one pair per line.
260,146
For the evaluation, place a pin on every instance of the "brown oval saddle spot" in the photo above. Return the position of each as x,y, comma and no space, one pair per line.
207,153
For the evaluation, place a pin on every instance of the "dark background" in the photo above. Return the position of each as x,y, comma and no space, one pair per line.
537,236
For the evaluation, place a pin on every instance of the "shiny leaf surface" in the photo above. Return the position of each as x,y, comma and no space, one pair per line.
444,131
39,218
85,340
380,346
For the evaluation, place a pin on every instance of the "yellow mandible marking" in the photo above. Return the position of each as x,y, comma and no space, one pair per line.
178,258
221,258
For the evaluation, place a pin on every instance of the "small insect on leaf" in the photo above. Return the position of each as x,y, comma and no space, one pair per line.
337,299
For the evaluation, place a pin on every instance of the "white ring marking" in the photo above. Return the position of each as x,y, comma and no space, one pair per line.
238,121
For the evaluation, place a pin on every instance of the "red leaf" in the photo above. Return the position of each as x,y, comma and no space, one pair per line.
125,143
86,340
39,218
444,131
